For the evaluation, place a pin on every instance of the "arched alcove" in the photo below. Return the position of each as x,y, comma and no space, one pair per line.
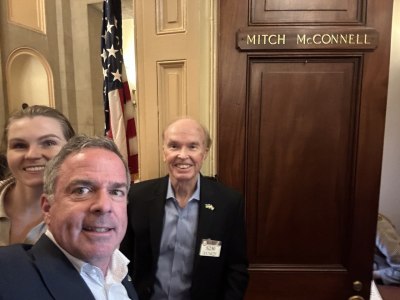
29,79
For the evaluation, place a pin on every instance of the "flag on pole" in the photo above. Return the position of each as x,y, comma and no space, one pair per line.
118,107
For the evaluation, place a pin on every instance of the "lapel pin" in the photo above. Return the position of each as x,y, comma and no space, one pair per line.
209,206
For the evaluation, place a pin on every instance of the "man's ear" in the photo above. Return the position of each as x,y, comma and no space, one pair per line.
45,203
163,154
206,154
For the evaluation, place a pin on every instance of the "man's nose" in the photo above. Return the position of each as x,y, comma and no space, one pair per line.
102,202
183,153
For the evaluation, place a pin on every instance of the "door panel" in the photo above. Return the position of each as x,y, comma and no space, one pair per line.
175,73
305,132
311,11
301,135
301,190
299,285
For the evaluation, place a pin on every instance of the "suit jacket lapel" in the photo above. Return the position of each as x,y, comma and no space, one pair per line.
127,283
156,216
68,284
207,205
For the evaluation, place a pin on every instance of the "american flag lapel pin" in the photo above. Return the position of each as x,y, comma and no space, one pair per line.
209,206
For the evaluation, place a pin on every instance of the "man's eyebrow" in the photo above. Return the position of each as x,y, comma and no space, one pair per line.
85,182
78,182
119,184
115,185
81,182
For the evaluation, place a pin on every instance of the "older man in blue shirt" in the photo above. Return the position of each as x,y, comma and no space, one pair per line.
175,263
186,234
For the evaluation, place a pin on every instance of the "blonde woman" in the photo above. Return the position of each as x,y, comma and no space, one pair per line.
32,136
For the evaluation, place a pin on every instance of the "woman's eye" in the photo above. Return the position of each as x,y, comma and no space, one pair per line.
49,143
18,146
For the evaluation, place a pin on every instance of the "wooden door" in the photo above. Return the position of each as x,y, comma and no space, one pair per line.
300,125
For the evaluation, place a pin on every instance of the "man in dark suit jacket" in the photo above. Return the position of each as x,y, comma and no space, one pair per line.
186,235
84,206
43,272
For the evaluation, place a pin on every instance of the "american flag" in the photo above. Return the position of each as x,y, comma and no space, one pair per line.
118,107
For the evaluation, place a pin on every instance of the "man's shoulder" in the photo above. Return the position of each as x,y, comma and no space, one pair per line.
148,184
14,250
148,189
14,257
212,185
213,182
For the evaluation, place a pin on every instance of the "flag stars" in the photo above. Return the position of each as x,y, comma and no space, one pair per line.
104,55
112,51
105,73
109,27
117,75
111,44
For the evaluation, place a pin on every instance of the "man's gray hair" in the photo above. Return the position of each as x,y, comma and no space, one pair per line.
75,145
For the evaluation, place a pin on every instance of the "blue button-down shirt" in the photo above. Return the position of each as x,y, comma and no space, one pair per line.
178,241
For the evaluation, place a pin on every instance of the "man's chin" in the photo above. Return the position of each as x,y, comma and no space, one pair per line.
182,177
